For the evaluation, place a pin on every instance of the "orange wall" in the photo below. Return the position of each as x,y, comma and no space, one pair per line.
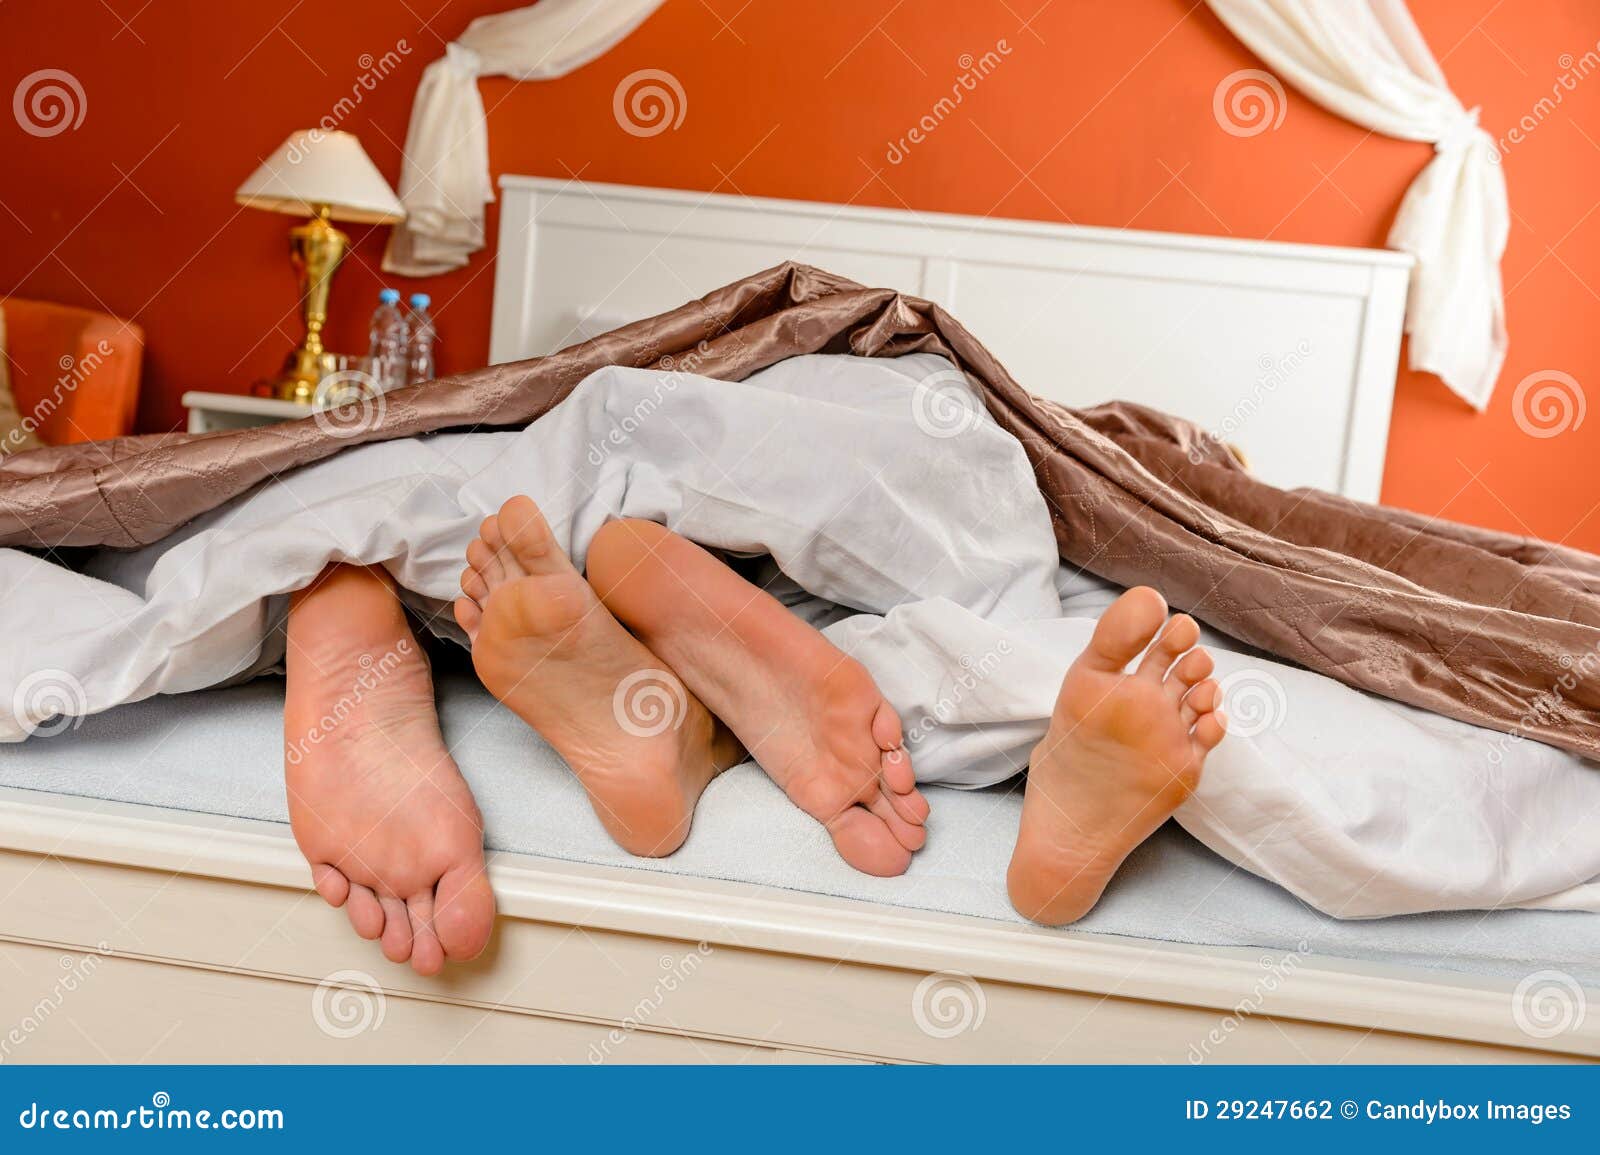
1101,114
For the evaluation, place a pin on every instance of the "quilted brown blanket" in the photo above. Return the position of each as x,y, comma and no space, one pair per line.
1494,630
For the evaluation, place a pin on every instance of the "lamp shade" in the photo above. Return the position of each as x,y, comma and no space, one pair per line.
313,170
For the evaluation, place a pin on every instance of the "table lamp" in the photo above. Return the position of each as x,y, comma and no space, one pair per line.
327,177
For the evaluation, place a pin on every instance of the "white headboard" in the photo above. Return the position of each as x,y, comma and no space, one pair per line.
1287,351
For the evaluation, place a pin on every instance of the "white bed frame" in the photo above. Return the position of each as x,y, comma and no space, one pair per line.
1257,341
141,934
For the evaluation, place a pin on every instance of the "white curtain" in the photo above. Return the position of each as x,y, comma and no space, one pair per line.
1366,61
444,179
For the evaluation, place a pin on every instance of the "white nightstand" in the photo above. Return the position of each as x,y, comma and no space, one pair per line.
209,412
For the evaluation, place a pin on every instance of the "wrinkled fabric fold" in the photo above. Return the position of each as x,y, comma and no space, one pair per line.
444,177
1487,628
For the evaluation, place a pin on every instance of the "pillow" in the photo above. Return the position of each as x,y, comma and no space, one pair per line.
14,435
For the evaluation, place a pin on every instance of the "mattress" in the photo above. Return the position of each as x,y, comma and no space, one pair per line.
220,752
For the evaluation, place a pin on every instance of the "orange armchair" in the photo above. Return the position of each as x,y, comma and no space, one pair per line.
75,372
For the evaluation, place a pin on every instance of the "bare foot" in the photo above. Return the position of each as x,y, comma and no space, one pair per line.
812,717
1122,753
375,801
643,746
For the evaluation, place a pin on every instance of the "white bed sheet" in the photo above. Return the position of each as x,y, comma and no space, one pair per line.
878,485
220,752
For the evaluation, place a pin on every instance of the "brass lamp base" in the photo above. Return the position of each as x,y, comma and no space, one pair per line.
315,248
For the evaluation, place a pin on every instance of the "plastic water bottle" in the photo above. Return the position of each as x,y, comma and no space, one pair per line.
388,341
419,354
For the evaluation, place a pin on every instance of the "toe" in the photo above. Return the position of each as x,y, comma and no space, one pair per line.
886,730
469,617
1210,730
473,585
865,842
901,787
486,561
897,772
331,885
1125,629
427,956
396,940
463,915
365,915
1176,639
910,835
1205,697
1191,669
913,807
489,530
529,539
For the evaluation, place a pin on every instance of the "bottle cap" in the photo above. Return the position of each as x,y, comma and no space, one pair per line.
420,300
389,296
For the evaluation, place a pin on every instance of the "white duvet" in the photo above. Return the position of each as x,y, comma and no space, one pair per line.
901,521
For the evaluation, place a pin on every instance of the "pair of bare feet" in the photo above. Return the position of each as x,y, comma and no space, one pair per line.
654,675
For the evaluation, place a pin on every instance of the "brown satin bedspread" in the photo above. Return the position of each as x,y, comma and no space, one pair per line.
1499,631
